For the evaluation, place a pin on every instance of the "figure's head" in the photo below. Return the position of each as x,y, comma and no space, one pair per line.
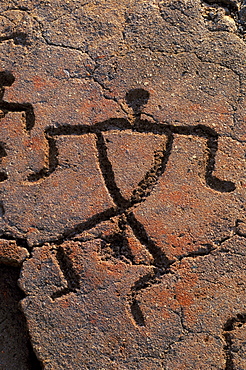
136,99
6,78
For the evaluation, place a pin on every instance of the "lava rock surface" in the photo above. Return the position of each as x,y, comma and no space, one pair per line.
123,184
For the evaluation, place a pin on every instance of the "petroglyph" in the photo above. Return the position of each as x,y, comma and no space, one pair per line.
118,230
122,183
166,137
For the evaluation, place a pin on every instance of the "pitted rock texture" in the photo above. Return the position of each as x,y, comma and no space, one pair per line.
123,181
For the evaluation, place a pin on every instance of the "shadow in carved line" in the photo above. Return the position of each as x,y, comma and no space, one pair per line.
15,347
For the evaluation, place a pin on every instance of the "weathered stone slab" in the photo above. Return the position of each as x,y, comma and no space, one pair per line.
123,183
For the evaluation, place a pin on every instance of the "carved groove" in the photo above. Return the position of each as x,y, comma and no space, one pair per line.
3,175
72,278
141,126
19,38
108,174
7,79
